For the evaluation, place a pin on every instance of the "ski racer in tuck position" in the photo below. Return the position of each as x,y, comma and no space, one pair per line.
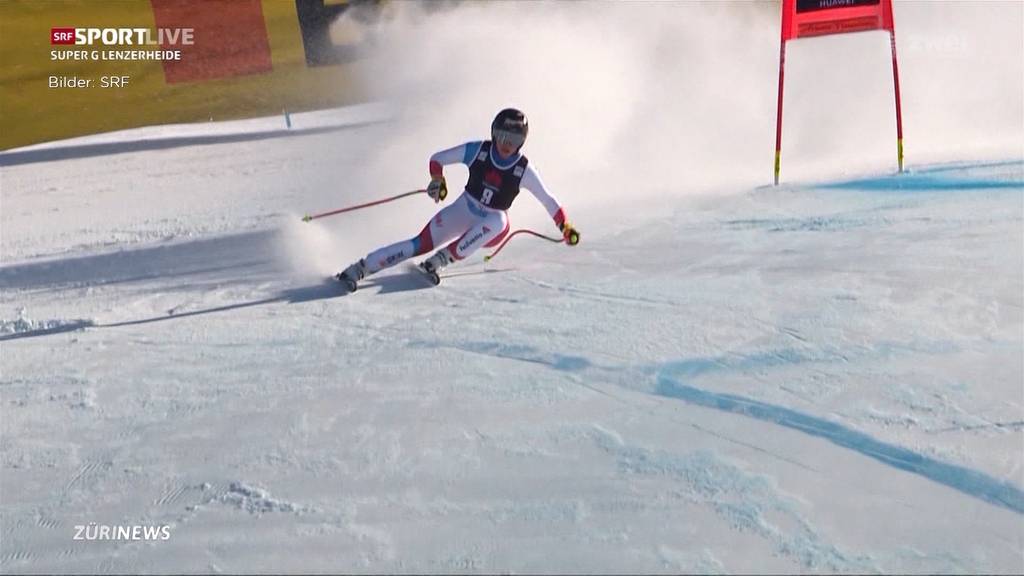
478,218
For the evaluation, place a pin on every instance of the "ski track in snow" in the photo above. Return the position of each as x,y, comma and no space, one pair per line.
826,377
963,479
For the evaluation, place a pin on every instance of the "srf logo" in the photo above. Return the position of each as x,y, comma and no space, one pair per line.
62,35
123,36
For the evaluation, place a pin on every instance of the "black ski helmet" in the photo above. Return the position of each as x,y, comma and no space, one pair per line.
511,126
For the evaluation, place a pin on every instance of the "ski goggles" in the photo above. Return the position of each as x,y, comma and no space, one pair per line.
511,139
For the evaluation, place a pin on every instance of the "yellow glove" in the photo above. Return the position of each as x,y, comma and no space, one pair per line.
437,189
571,235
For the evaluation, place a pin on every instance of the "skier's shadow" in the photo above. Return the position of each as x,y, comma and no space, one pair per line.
327,289
413,280
394,283
324,290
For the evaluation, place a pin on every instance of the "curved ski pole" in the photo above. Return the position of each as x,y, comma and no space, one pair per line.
307,218
521,231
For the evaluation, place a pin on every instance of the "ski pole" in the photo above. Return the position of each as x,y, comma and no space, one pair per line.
307,217
521,231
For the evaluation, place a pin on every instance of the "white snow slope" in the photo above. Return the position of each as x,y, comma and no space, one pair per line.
819,377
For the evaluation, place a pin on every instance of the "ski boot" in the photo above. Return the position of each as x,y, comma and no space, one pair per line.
352,274
433,265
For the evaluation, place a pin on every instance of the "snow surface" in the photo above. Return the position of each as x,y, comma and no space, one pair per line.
819,377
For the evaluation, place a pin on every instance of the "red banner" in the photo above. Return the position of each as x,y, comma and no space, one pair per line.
230,38
803,18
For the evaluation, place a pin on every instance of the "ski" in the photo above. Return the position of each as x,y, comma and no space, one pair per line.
345,281
430,276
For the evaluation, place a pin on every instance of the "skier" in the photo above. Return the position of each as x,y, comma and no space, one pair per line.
478,217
